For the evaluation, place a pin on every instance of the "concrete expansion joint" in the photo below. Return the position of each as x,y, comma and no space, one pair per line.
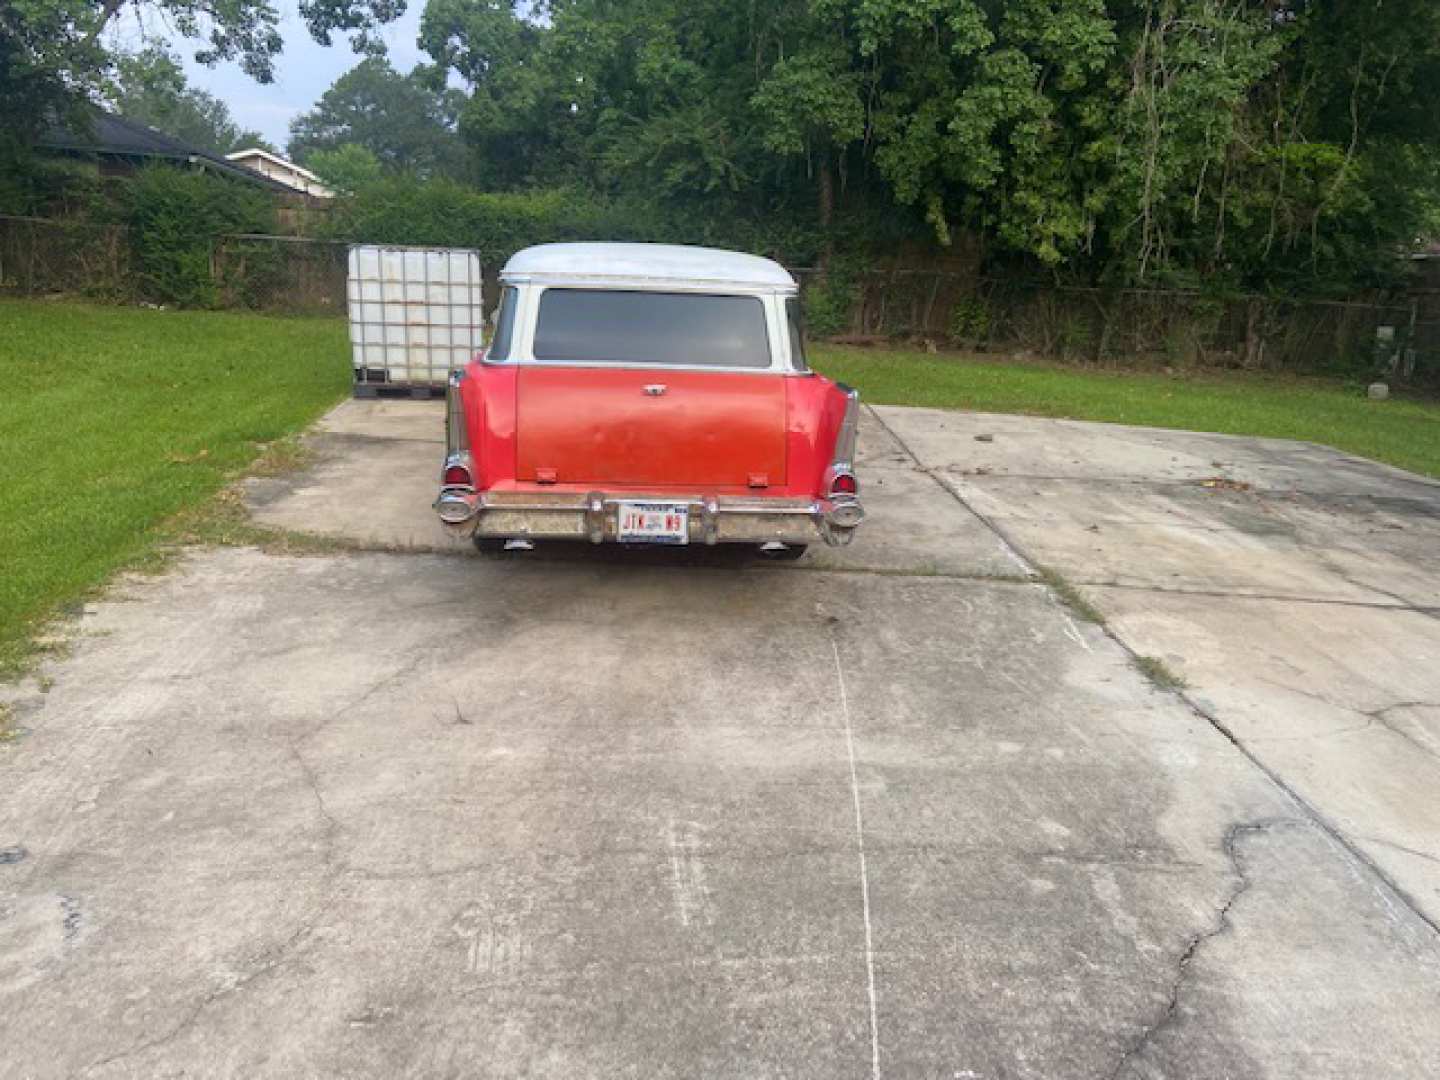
1386,883
360,438
1403,602
1012,549
1222,594
1242,881
1402,848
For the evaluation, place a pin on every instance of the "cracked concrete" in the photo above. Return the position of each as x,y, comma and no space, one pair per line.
592,815
1137,1050
1298,599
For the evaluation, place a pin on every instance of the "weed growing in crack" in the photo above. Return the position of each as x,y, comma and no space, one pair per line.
1071,597
223,521
1159,674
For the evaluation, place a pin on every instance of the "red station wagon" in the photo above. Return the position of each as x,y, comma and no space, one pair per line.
648,394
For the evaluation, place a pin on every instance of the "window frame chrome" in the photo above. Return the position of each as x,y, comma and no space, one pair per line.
529,289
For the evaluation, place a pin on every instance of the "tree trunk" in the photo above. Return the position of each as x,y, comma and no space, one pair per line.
826,207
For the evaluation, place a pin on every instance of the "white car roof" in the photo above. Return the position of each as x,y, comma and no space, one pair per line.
645,262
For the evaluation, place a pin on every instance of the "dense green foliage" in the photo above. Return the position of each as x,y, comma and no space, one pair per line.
348,169
173,218
1288,147
1244,144
148,237
200,392
398,210
403,120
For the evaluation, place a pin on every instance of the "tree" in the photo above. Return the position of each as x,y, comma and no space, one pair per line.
1235,144
150,87
517,119
53,55
402,120
347,169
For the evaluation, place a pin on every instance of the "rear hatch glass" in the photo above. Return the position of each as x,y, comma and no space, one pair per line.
595,326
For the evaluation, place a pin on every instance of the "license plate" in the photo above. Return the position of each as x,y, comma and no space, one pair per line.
654,523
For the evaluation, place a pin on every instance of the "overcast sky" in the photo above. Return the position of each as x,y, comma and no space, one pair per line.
302,73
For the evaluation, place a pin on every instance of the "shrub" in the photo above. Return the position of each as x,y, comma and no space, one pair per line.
829,301
173,218
970,321
404,210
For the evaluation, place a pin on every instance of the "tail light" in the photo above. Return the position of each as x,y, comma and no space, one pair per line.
457,471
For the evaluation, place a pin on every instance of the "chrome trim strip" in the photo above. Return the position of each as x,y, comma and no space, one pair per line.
844,454
568,503
457,437
593,516
649,283
770,369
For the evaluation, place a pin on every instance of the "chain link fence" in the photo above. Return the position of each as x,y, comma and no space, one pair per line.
1393,336
280,273
39,256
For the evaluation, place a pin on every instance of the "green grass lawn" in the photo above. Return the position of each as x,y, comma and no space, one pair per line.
1404,433
114,419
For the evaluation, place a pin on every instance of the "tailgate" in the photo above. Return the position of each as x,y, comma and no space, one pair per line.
618,426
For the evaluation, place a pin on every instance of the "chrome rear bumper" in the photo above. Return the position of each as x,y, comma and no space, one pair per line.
595,517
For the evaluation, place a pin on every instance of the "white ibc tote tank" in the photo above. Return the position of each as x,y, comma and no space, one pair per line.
415,313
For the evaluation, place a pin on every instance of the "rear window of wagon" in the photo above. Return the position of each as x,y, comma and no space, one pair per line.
602,326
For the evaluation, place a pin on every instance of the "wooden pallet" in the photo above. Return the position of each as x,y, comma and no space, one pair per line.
401,391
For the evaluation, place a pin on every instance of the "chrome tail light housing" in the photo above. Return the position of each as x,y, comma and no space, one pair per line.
843,512
458,470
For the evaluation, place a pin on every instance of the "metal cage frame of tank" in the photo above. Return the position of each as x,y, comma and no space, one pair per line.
369,335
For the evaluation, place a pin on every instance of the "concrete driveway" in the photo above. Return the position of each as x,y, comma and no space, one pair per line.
891,811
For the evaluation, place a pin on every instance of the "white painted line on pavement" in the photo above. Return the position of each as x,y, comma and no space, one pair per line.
864,873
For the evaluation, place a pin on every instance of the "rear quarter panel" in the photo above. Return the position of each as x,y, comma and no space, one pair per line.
488,394
815,409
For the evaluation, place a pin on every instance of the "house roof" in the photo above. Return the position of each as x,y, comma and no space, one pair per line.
276,159
646,262
117,136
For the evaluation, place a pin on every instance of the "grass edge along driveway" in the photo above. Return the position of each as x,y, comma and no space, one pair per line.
1399,432
113,420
